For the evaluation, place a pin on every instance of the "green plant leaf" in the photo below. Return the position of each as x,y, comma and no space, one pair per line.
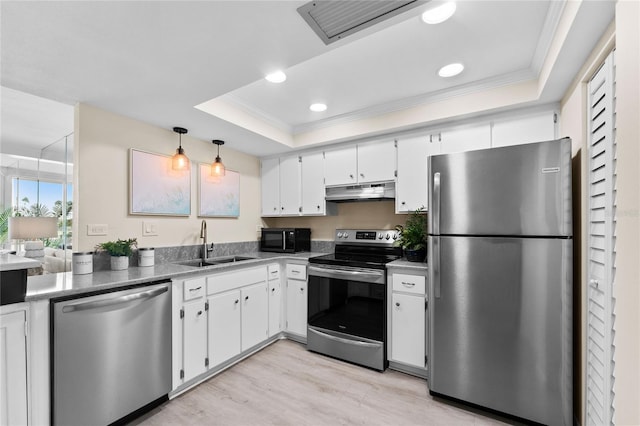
413,234
119,247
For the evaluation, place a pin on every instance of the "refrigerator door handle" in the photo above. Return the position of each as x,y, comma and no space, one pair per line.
436,204
435,266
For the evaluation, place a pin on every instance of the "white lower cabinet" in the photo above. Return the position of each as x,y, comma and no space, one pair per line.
275,299
13,366
238,320
255,315
189,329
224,327
408,319
408,329
215,318
297,299
194,335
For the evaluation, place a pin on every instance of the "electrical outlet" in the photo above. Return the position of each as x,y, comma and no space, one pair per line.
149,228
97,229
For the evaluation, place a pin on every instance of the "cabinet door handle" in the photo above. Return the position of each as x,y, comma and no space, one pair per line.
403,203
199,313
351,176
273,289
246,298
301,288
408,284
236,302
195,289
361,174
318,207
397,303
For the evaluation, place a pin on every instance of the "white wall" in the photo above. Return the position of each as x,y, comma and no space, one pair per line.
101,192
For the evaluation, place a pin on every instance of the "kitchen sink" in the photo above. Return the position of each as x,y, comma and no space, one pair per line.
219,260
199,263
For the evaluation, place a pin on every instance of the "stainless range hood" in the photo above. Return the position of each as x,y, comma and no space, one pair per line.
365,192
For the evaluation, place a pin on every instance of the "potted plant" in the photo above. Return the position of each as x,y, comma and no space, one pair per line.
412,237
120,252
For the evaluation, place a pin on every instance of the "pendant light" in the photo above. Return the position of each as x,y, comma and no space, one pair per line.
217,168
179,161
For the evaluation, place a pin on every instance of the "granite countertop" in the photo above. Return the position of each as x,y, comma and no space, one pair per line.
49,286
404,263
12,262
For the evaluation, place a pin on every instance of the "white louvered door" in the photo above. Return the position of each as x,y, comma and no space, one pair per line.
601,239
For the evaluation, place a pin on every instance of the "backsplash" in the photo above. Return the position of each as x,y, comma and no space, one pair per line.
102,262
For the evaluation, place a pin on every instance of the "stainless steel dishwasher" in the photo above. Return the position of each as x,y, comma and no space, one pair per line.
111,354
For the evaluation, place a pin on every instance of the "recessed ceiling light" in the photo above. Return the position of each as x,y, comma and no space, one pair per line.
450,70
439,14
318,107
276,77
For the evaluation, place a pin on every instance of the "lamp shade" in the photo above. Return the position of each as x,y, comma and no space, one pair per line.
24,228
218,169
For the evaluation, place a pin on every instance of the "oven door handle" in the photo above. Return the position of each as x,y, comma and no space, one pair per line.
376,277
343,340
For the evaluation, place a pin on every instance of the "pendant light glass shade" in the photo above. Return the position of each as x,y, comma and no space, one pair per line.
179,161
217,167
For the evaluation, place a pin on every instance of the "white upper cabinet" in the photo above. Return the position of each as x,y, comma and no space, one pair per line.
368,162
411,184
521,130
290,185
312,169
341,166
376,161
270,183
467,138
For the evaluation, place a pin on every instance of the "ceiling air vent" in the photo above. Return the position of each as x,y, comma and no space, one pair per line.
333,20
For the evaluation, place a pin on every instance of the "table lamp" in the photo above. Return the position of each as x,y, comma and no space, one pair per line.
30,228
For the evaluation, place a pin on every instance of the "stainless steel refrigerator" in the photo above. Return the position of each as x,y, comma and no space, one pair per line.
500,265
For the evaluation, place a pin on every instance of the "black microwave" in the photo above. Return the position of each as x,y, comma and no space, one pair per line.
285,240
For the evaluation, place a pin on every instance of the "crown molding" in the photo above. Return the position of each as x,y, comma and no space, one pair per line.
257,113
546,36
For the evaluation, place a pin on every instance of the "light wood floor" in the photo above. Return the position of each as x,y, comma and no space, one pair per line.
284,384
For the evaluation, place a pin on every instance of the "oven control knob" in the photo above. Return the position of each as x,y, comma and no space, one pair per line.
339,234
387,237
346,235
380,236
394,236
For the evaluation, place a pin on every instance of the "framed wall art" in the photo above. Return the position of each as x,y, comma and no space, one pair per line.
218,197
155,188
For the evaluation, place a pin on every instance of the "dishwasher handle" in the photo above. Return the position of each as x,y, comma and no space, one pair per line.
143,295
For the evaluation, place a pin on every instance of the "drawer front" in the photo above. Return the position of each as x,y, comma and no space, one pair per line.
232,280
409,283
273,271
296,272
194,288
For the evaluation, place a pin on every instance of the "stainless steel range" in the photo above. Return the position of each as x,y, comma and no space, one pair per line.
347,297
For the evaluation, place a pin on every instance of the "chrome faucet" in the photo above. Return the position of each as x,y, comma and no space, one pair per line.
203,235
